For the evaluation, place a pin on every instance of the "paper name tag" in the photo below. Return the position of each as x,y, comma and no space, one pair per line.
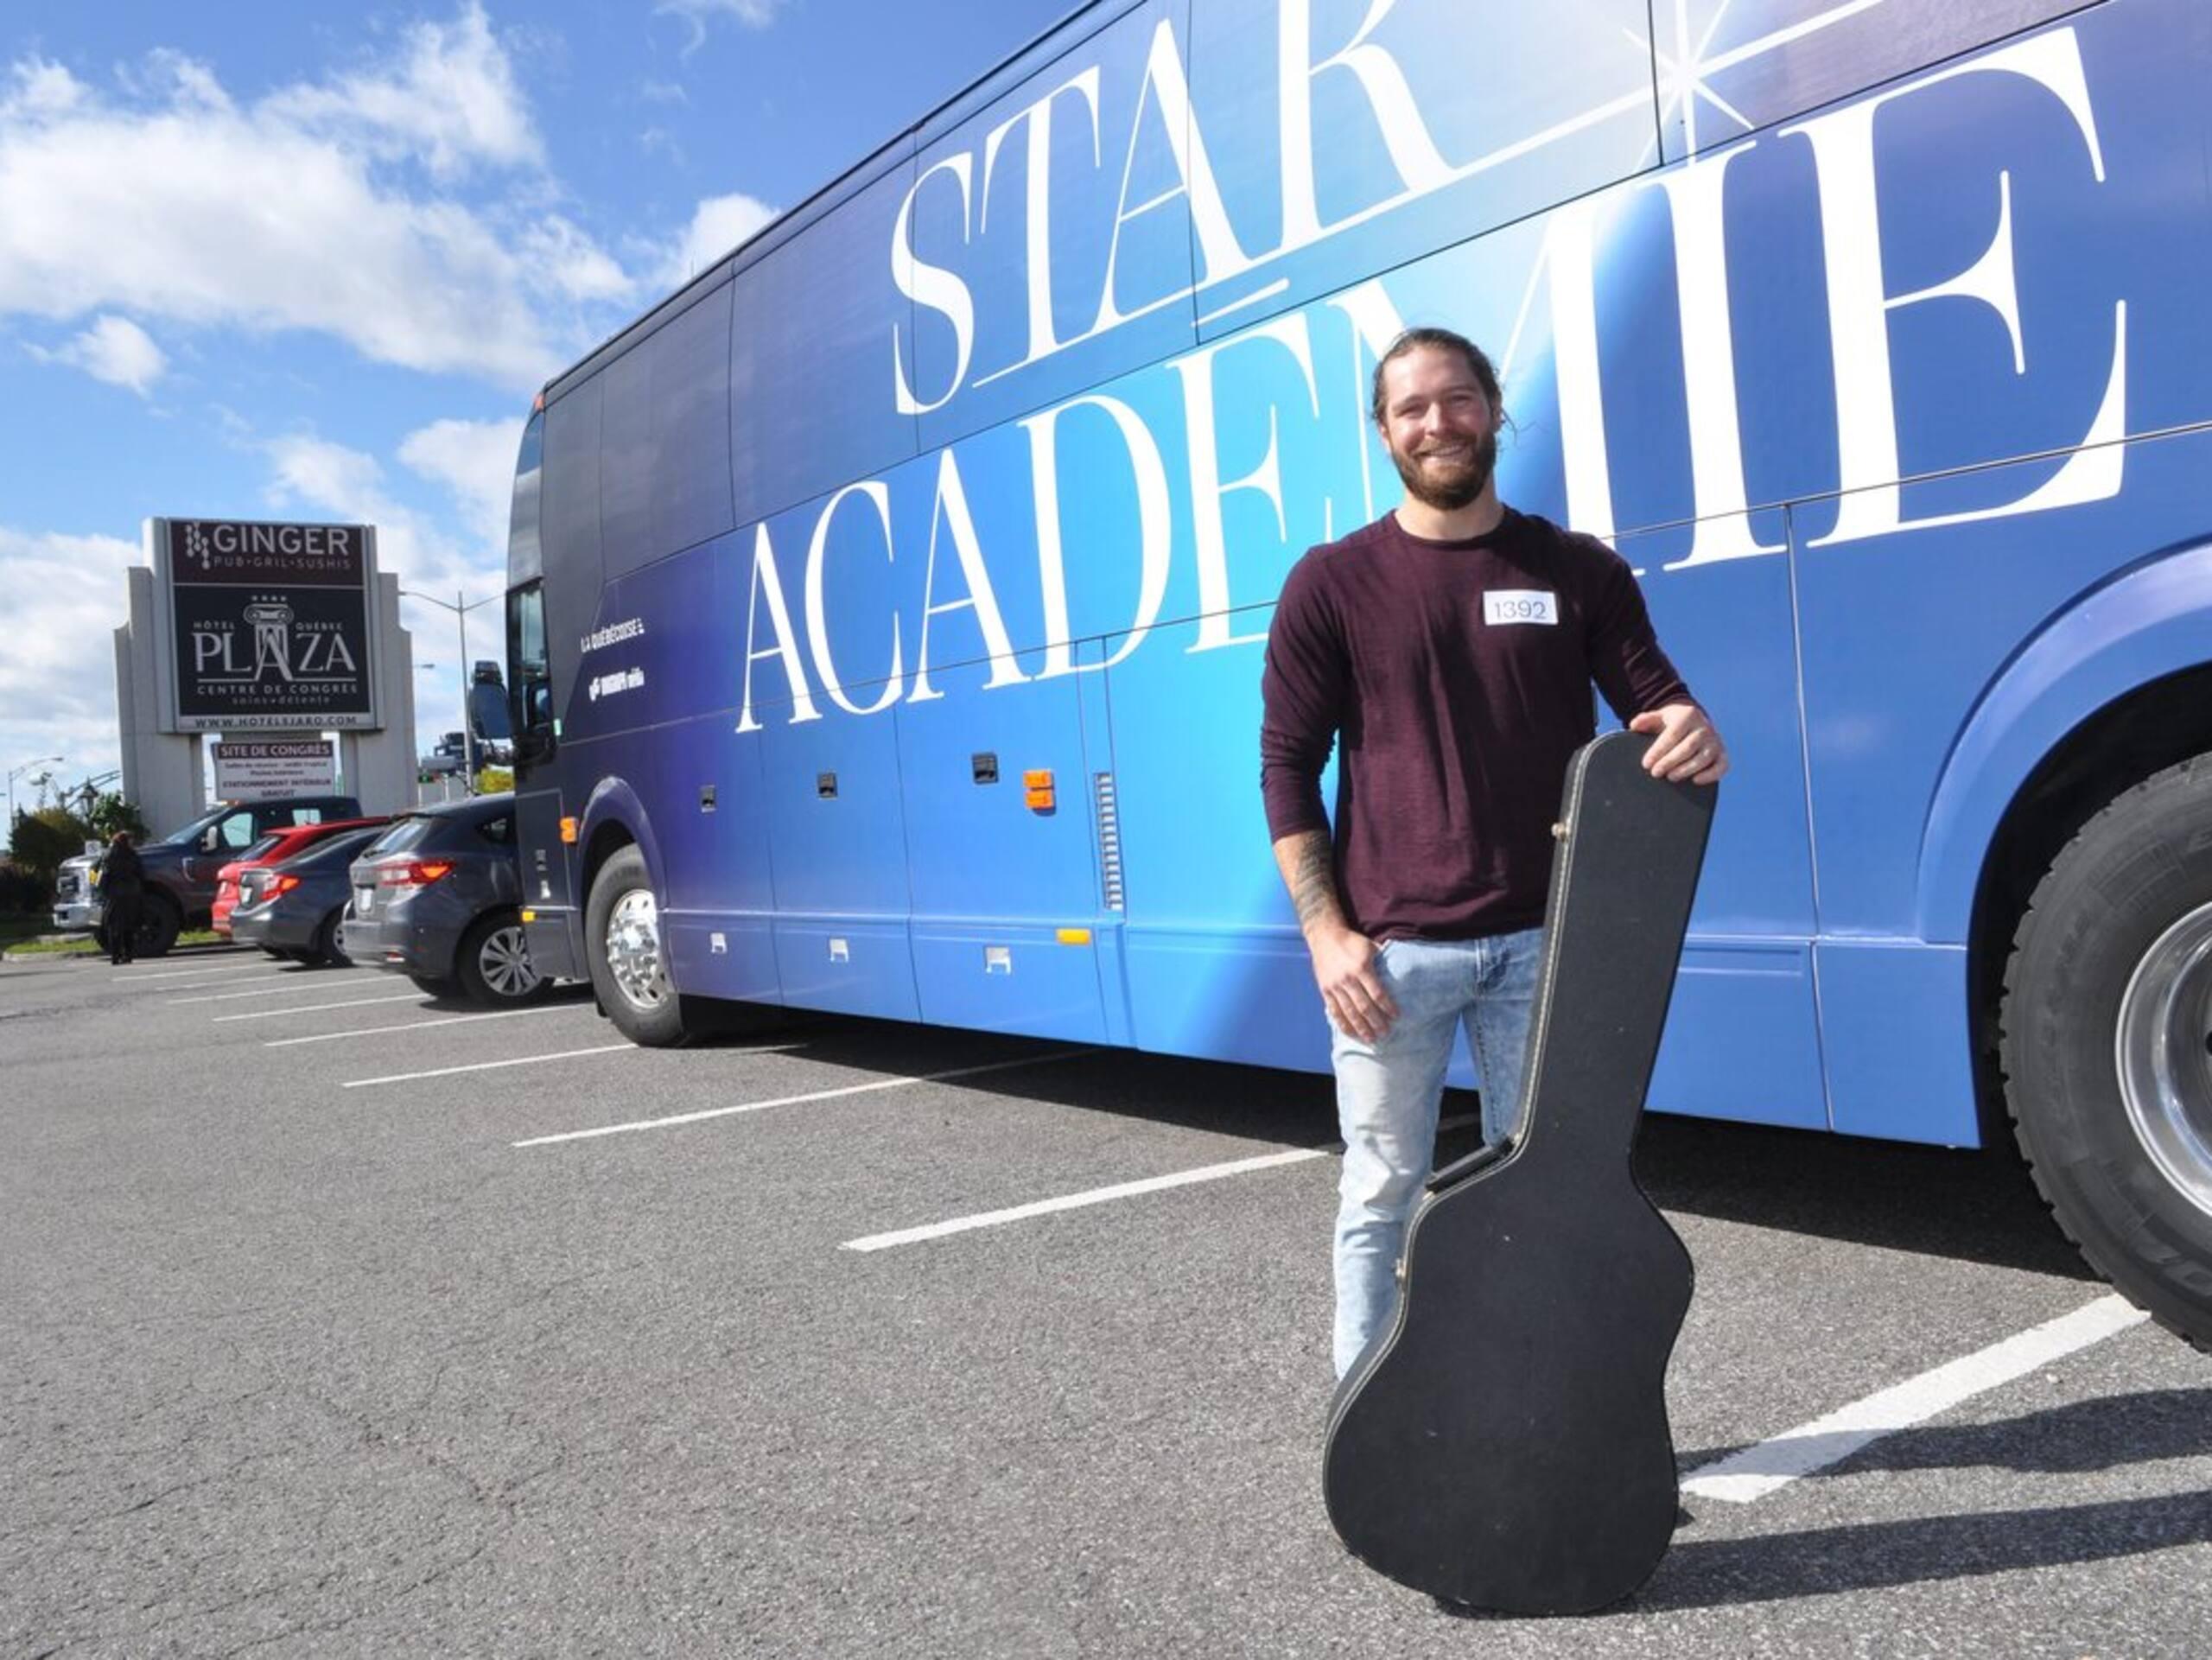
1519,605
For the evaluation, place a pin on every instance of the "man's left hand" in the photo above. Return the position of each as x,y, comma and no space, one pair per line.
1685,748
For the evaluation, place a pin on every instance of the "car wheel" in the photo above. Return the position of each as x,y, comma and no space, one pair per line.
158,927
2108,1044
628,959
330,942
494,963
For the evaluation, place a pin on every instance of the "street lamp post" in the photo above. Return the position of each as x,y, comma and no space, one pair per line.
14,773
461,616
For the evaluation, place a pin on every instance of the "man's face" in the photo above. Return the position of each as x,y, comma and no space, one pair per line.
1439,427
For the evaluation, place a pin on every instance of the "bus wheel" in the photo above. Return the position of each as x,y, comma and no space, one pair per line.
629,964
2108,1044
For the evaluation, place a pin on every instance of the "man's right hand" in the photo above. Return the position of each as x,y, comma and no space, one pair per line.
1345,969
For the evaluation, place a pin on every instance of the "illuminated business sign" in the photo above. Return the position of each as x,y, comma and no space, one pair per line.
270,625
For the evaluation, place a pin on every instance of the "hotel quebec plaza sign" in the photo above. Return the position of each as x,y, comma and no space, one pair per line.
270,627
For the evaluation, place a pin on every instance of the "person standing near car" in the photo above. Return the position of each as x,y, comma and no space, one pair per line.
123,897
1450,647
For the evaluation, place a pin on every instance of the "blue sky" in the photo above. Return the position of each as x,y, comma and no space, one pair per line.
262,261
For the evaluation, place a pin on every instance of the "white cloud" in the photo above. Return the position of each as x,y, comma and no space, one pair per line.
67,596
174,202
568,262
316,475
753,14
113,349
718,225
39,91
474,460
452,103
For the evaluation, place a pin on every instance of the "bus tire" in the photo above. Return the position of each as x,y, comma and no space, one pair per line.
628,956
2106,1045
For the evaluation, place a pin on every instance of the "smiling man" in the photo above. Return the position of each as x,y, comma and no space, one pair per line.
1450,647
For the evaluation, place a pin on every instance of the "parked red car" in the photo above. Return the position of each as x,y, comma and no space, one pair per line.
273,850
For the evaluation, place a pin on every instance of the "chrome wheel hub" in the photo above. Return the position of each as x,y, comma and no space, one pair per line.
504,961
633,950
2163,1048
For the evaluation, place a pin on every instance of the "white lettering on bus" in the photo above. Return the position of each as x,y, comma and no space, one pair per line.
1165,86
1154,528
818,622
1208,490
950,510
933,286
1422,168
1859,309
764,581
1037,224
1375,323
1724,528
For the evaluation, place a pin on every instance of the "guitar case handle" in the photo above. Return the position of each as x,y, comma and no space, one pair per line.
1476,1161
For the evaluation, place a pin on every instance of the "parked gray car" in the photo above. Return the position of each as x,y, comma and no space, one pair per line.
436,898
298,908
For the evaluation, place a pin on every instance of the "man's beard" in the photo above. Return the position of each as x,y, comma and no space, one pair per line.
1449,486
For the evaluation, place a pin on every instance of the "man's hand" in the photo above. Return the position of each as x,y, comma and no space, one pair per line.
1343,967
1344,958
1685,747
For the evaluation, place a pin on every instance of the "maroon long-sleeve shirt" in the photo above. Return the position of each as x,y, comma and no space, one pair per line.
1457,676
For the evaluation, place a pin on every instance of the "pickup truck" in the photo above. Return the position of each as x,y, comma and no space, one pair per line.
181,868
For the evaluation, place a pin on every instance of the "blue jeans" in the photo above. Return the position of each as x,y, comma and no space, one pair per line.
1387,1097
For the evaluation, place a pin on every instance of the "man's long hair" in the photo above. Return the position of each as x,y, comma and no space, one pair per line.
1443,339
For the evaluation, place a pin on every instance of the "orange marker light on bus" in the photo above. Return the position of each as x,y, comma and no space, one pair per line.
569,832
1037,788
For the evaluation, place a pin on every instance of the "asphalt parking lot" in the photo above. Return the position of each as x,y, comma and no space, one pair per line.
338,1321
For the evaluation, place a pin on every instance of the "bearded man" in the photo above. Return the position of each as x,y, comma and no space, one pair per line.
1450,647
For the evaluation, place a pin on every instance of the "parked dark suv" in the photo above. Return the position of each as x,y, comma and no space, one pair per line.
435,898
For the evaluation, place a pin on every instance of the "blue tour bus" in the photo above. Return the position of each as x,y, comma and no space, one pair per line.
886,607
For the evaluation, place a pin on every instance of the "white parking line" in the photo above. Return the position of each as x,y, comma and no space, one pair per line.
415,997
1119,1190
490,1065
794,1100
262,965
1095,1196
291,984
424,1026
1758,1470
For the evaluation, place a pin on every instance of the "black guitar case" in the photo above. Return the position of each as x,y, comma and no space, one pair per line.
1505,1442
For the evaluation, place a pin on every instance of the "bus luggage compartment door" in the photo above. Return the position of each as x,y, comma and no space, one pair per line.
1010,916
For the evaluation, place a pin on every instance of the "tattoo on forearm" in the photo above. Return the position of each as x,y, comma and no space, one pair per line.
1313,880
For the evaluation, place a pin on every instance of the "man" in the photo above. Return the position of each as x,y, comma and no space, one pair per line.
1451,646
